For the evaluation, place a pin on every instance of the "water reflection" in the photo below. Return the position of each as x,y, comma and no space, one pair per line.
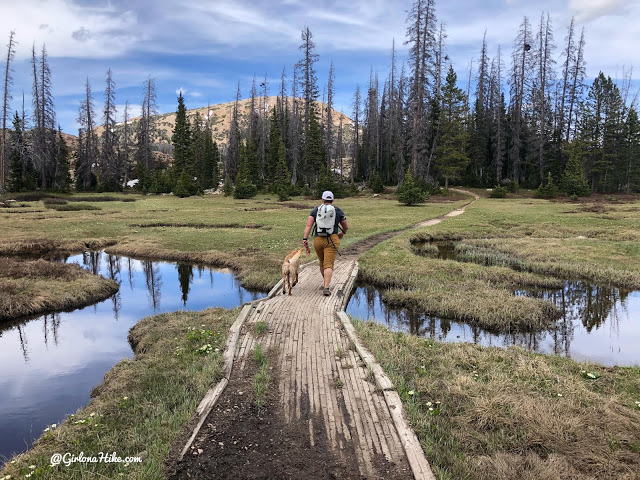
600,324
51,363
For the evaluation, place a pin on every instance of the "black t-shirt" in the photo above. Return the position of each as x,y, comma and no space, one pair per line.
340,216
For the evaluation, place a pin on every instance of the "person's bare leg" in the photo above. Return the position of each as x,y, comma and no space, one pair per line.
328,272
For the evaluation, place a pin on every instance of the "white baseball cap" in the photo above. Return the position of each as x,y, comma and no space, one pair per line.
327,195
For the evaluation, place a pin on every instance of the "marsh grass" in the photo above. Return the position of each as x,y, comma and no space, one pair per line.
142,405
34,287
493,413
76,207
261,378
54,201
463,291
502,246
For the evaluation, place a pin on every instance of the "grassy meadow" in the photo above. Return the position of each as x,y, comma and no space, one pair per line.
251,236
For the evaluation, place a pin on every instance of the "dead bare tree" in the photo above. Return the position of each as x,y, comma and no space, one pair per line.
11,51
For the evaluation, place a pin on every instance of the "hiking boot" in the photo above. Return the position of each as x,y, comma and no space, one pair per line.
326,292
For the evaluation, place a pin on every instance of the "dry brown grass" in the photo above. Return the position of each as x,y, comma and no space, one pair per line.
38,247
35,287
509,413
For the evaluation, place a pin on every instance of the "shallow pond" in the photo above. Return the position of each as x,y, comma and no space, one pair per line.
598,324
51,363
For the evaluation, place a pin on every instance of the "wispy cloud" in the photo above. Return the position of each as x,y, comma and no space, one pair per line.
587,10
71,30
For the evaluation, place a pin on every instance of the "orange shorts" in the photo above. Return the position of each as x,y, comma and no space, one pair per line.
326,250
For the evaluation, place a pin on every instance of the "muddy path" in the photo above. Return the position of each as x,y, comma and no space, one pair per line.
358,248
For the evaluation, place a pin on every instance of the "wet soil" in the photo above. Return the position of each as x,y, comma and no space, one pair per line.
241,440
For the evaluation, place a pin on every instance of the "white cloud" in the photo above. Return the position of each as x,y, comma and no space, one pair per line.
69,29
587,10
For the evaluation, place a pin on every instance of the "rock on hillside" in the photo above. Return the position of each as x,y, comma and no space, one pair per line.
220,117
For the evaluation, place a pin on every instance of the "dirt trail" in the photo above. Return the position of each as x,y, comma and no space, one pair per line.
330,411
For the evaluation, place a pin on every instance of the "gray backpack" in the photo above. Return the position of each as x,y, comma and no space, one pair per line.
325,220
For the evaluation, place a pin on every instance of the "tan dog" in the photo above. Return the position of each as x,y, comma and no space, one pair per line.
290,268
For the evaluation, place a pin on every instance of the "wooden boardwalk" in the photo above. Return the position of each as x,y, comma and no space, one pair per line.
320,364
326,373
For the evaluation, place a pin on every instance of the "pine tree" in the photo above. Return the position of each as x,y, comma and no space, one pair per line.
125,145
282,177
631,153
328,130
376,185
110,173
306,67
421,38
62,180
244,187
181,140
574,181
409,193
519,81
602,130
314,153
545,77
227,188
87,153
22,175
355,149
145,135
451,158
233,148
273,154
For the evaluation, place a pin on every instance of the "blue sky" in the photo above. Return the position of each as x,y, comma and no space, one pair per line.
206,47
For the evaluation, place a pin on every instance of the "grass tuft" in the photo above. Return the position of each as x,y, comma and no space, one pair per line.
261,378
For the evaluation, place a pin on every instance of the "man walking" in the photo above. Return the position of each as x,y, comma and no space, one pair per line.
328,220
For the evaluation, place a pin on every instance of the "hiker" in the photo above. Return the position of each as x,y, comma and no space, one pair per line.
330,226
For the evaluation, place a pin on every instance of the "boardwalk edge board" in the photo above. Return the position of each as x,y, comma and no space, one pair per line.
215,392
415,455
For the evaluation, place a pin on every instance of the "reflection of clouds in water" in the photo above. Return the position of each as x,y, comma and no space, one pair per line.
599,324
49,364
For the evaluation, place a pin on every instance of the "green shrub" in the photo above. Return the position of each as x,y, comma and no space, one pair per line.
409,193
512,187
574,181
547,191
376,184
498,192
244,190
